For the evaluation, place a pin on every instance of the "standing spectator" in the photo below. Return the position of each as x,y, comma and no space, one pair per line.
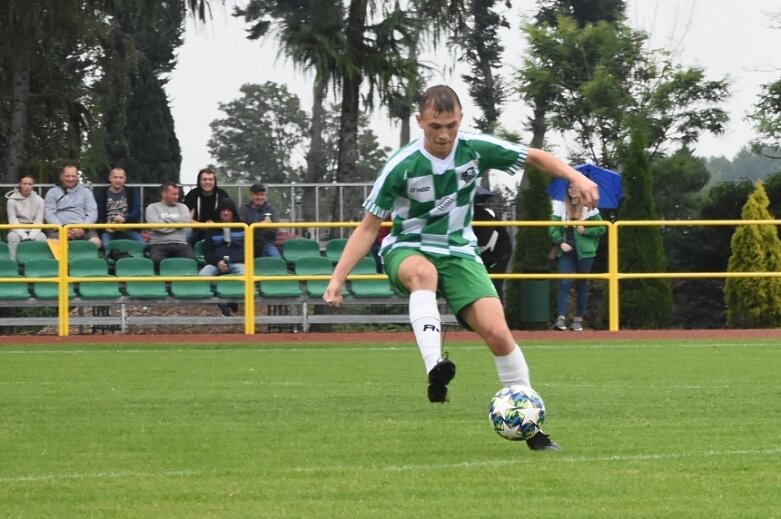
70,203
259,210
223,250
576,249
24,206
202,201
168,242
118,204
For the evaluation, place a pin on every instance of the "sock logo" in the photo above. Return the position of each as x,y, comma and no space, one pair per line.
430,328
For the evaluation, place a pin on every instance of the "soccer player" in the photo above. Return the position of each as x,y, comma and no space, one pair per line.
428,187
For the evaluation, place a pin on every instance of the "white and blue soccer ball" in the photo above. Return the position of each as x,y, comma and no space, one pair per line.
516,413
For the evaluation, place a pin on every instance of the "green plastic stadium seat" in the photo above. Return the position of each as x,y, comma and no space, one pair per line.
276,267
94,268
315,267
185,289
81,249
4,255
369,287
33,250
46,269
297,248
122,247
12,291
230,289
140,267
334,249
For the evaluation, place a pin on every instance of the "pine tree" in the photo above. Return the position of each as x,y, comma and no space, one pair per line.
645,303
754,302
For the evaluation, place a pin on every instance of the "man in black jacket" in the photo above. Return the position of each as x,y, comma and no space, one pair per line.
202,201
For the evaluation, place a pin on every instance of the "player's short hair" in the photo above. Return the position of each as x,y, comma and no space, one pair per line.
441,98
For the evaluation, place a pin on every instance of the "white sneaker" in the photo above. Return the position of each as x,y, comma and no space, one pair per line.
560,324
576,326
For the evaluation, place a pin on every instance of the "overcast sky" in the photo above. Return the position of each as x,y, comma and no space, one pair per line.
723,36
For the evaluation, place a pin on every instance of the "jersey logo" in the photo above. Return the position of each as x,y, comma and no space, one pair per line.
468,174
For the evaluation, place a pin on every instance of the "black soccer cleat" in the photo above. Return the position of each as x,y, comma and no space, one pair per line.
542,442
438,378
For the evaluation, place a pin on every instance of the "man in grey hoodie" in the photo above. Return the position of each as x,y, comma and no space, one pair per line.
170,242
24,206
70,202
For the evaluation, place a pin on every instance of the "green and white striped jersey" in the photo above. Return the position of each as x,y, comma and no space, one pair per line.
430,199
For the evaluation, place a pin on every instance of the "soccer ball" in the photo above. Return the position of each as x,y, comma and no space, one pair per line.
516,413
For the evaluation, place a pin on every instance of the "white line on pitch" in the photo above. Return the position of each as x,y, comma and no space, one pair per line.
553,458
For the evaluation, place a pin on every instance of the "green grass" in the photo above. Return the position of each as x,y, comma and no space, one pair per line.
286,431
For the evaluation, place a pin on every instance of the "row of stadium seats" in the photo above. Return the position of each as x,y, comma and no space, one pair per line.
94,267
293,250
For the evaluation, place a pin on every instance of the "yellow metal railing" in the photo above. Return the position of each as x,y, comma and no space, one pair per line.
613,275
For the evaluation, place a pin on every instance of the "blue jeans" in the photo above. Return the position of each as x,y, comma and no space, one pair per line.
569,263
212,270
270,251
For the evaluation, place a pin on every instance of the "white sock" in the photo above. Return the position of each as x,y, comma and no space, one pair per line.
512,369
425,320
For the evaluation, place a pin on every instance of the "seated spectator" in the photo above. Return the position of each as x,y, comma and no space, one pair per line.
259,210
170,242
24,206
71,203
118,204
202,201
223,250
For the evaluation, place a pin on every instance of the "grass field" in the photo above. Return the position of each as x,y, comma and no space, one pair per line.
648,429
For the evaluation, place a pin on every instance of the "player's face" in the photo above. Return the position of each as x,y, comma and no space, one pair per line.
25,186
439,130
69,177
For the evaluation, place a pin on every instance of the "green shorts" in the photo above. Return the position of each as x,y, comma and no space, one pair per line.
462,281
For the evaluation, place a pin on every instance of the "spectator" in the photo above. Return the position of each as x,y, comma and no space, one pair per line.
223,250
118,204
70,203
494,242
168,242
259,210
202,201
576,249
24,206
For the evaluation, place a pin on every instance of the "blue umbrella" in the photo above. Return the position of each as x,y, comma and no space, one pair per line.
611,191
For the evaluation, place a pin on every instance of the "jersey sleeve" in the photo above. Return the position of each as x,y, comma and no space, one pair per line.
386,188
498,153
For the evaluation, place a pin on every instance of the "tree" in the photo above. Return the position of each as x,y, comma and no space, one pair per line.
767,121
310,34
643,303
754,302
677,180
595,79
137,129
258,138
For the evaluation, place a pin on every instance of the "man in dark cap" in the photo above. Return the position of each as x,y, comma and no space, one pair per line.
259,210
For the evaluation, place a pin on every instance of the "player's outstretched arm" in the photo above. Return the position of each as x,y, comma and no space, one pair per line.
544,161
356,248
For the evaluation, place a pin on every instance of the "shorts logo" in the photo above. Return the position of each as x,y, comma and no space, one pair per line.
468,174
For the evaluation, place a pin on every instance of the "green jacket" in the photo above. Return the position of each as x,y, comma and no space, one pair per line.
586,244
